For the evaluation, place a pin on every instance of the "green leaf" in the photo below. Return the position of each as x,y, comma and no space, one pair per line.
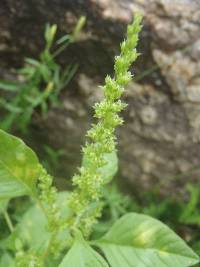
19,167
63,39
9,86
32,230
32,61
82,255
45,72
109,169
27,71
6,260
190,213
49,35
10,106
138,240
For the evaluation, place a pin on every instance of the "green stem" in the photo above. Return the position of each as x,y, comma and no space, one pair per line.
8,221
47,251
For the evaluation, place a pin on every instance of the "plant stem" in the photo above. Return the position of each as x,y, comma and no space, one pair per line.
47,251
8,221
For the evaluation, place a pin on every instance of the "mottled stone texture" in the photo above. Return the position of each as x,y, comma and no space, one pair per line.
159,144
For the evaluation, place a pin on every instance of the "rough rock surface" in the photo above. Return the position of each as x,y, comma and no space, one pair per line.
159,143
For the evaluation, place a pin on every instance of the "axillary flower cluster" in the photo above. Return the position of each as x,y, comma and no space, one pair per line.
85,201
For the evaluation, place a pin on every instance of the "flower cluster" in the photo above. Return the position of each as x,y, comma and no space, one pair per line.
86,199
48,195
47,201
27,259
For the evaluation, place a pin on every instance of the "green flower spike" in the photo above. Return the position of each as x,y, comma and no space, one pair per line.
86,198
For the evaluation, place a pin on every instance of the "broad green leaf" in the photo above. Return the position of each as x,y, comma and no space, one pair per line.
6,260
109,169
138,240
32,230
53,261
19,167
82,255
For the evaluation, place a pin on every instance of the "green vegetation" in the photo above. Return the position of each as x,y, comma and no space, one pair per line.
90,226
182,217
39,82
